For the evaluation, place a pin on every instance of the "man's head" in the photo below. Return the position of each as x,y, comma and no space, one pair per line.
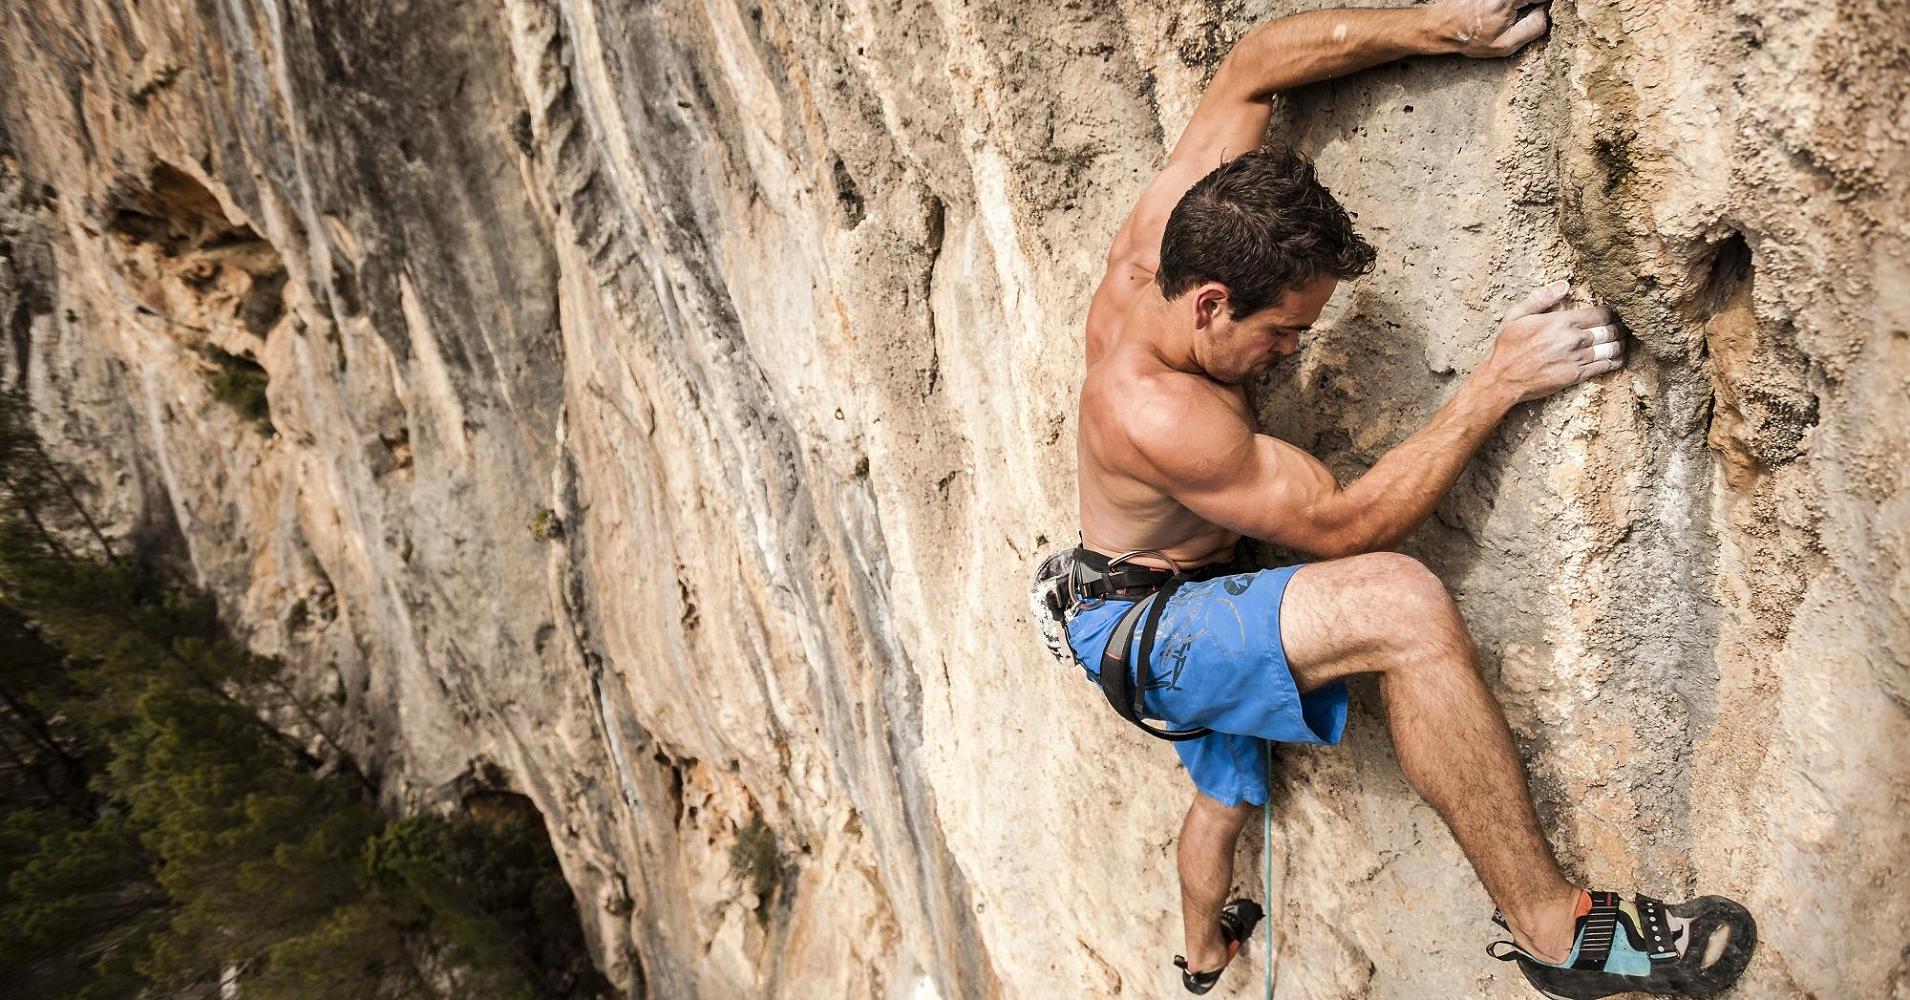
1254,250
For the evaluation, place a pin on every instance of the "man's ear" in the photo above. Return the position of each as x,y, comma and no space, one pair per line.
1210,303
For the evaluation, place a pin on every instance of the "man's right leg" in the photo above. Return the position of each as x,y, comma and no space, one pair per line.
1205,857
1386,614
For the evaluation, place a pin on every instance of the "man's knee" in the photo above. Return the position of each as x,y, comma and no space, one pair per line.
1416,606
1375,612
1211,811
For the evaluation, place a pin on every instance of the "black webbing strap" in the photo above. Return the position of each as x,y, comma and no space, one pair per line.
1125,697
1655,928
1096,578
1595,941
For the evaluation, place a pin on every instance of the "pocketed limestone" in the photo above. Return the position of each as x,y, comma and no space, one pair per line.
668,402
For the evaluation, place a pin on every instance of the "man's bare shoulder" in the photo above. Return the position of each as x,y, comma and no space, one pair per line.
1176,426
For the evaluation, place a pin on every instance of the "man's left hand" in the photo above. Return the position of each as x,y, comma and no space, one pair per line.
1489,29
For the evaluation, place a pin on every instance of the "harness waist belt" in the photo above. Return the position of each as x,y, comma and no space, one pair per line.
1150,588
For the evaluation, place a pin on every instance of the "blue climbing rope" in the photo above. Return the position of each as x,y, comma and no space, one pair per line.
1266,853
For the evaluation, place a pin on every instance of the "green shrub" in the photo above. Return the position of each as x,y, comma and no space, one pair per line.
239,382
157,832
756,860
545,525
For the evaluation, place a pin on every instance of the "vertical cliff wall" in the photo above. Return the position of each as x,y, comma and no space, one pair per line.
667,402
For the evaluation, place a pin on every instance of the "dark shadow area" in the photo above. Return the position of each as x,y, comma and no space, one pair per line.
178,816
174,215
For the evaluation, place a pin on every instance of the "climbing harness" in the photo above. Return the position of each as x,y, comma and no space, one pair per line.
1098,578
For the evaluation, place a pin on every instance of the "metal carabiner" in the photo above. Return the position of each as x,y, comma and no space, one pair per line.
1156,553
1078,603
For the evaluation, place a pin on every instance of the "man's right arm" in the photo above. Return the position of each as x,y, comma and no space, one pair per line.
1200,452
1288,52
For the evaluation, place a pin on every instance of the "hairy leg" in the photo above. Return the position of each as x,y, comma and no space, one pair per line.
1386,614
1206,860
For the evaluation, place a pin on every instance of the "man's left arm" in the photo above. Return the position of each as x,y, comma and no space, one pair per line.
1317,45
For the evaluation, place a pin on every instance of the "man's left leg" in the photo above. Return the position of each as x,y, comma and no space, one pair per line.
1385,614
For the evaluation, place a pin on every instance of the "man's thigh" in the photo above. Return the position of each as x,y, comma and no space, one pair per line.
1346,616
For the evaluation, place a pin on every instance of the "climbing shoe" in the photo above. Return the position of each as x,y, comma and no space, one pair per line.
1641,945
1237,921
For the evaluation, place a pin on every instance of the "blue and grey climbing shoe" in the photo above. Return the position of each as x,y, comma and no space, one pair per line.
1640,945
1237,921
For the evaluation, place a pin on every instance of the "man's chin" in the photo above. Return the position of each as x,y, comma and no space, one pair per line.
1241,377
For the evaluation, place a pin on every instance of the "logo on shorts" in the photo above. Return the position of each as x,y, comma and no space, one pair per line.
1236,585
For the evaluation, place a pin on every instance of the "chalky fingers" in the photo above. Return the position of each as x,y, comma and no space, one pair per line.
1605,352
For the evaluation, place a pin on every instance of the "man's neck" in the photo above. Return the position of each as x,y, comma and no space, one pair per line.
1164,336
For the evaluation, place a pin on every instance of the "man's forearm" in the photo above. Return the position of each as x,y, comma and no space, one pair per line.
1382,507
1323,44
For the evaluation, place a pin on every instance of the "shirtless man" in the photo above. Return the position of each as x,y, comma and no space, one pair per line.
1220,269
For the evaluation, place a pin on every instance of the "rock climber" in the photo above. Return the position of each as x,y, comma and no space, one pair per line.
1220,269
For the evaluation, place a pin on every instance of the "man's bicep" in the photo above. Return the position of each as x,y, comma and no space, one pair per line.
1223,127
1274,492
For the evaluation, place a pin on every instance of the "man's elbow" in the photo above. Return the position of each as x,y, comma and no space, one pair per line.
1235,78
1335,547
1338,538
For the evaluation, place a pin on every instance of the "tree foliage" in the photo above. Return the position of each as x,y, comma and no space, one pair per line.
159,836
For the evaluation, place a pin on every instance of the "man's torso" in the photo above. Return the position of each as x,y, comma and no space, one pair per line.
1120,511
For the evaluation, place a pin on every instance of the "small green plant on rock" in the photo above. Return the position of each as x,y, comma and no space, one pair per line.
545,525
756,860
239,382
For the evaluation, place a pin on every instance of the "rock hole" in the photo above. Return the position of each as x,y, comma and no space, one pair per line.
264,303
345,290
521,133
175,217
1762,406
397,457
1613,151
676,789
1730,265
847,195
690,617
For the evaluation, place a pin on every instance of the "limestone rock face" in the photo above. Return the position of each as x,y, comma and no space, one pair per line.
668,402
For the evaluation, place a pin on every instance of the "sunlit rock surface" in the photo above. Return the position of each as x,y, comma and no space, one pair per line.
668,402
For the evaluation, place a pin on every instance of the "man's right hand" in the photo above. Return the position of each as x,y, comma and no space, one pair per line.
1542,348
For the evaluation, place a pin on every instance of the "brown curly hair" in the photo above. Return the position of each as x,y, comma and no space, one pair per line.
1261,224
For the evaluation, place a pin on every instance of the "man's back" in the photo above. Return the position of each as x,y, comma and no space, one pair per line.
1120,511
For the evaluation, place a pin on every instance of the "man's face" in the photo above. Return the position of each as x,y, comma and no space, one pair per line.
1233,350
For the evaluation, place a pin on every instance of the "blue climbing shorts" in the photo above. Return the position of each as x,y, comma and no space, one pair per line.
1218,662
